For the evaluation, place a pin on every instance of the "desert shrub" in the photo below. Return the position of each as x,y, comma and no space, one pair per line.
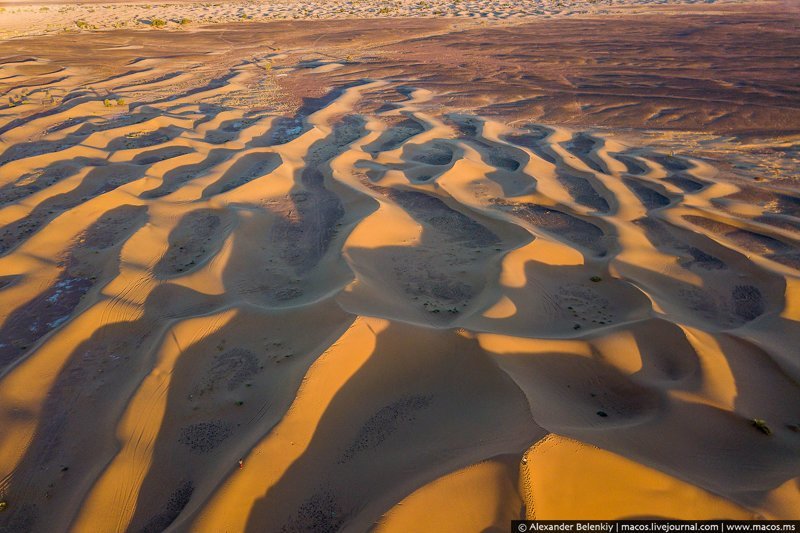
762,426
14,101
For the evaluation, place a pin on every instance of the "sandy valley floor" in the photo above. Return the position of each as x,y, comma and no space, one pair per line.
416,274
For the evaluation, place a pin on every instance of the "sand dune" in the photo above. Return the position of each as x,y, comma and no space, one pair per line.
33,17
389,306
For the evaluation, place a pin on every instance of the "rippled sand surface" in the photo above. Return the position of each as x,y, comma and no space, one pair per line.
31,17
417,272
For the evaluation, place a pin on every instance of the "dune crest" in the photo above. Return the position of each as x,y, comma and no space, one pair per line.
496,307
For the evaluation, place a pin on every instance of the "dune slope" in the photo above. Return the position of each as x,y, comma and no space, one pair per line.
262,288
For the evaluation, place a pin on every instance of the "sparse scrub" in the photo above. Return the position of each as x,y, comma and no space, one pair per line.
762,426
14,101
158,23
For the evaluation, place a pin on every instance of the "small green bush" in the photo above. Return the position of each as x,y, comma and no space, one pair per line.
158,23
762,426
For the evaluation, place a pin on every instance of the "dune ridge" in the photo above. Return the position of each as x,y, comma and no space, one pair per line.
25,17
376,302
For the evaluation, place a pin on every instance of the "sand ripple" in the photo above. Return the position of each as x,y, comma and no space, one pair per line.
363,300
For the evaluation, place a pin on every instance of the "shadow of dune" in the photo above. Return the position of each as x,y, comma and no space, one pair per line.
453,406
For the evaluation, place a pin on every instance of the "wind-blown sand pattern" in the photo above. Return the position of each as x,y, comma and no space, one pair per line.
25,17
398,296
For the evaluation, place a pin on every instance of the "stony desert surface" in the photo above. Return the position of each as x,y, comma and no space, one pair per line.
398,271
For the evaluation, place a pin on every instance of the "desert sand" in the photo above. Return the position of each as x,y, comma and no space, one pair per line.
32,17
399,274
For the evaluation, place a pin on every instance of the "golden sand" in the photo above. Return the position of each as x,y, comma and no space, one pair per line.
395,304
